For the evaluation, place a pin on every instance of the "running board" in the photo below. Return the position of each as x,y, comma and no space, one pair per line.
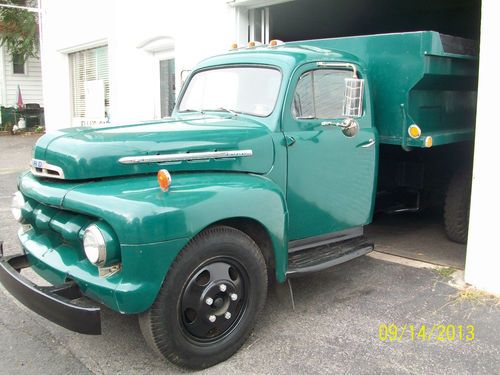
326,256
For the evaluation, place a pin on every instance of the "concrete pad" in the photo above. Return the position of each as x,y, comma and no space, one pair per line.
419,236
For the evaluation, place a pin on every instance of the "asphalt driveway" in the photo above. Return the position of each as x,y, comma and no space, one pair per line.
333,329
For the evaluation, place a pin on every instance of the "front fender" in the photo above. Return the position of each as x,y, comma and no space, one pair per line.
141,213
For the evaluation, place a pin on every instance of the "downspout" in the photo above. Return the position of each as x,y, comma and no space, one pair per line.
3,84
40,49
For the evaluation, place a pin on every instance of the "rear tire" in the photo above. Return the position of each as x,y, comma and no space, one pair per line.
456,206
222,265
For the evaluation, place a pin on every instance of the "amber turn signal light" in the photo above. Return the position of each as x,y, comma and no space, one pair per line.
414,131
164,179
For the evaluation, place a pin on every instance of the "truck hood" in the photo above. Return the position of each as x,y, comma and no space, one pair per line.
89,153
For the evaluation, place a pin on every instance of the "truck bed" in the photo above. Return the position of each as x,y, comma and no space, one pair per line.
424,78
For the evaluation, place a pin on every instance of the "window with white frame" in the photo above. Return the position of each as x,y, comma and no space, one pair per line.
90,82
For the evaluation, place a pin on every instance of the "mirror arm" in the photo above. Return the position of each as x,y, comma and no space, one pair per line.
349,126
341,125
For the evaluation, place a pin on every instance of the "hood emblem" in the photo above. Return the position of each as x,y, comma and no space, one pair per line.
41,168
186,156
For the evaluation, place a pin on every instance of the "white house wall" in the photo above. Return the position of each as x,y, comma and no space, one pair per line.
198,28
483,252
30,82
65,25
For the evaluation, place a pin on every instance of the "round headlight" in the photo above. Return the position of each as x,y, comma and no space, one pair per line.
94,245
17,205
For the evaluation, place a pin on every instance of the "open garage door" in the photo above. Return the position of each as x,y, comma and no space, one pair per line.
418,235
313,19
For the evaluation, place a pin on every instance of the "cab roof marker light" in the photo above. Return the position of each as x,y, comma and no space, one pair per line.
428,141
233,46
253,44
276,43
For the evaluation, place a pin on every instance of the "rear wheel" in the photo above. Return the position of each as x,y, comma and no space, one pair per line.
209,300
456,207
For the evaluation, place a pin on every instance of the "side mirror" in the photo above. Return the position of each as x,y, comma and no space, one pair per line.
353,97
350,127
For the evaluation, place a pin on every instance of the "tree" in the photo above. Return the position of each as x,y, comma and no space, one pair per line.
19,29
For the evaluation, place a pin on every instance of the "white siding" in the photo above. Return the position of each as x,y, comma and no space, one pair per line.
483,257
126,27
30,82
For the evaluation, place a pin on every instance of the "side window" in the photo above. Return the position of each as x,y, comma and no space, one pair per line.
18,64
320,94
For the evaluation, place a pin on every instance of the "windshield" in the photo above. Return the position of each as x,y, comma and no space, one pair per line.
243,89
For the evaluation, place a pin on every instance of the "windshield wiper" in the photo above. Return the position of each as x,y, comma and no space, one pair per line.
193,110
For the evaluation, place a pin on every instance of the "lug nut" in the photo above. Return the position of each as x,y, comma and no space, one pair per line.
234,297
222,287
227,315
212,318
209,301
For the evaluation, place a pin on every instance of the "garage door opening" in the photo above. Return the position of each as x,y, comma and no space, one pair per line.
414,228
314,19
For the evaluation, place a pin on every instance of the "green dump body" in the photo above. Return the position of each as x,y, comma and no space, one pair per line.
424,78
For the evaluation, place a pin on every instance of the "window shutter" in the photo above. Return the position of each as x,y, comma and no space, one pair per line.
103,72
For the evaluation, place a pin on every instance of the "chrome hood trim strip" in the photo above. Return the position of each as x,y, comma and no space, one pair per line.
187,156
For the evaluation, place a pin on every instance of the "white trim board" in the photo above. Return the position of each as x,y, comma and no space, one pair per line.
84,46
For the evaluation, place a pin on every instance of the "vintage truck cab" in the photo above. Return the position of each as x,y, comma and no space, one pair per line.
267,169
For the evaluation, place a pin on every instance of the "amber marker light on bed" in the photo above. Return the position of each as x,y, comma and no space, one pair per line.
414,131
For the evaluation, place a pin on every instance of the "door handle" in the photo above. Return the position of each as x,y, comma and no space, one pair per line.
289,140
370,143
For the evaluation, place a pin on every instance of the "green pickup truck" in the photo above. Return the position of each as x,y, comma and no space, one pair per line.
275,158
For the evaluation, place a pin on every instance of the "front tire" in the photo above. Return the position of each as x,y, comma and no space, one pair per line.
209,301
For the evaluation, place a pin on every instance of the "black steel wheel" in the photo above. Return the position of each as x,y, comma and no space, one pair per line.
214,299
209,301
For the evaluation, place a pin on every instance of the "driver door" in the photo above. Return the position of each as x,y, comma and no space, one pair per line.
331,176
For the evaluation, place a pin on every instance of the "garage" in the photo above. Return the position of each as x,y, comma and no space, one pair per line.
298,20
410,226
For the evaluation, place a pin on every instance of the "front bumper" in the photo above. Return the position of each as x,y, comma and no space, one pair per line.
54,302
